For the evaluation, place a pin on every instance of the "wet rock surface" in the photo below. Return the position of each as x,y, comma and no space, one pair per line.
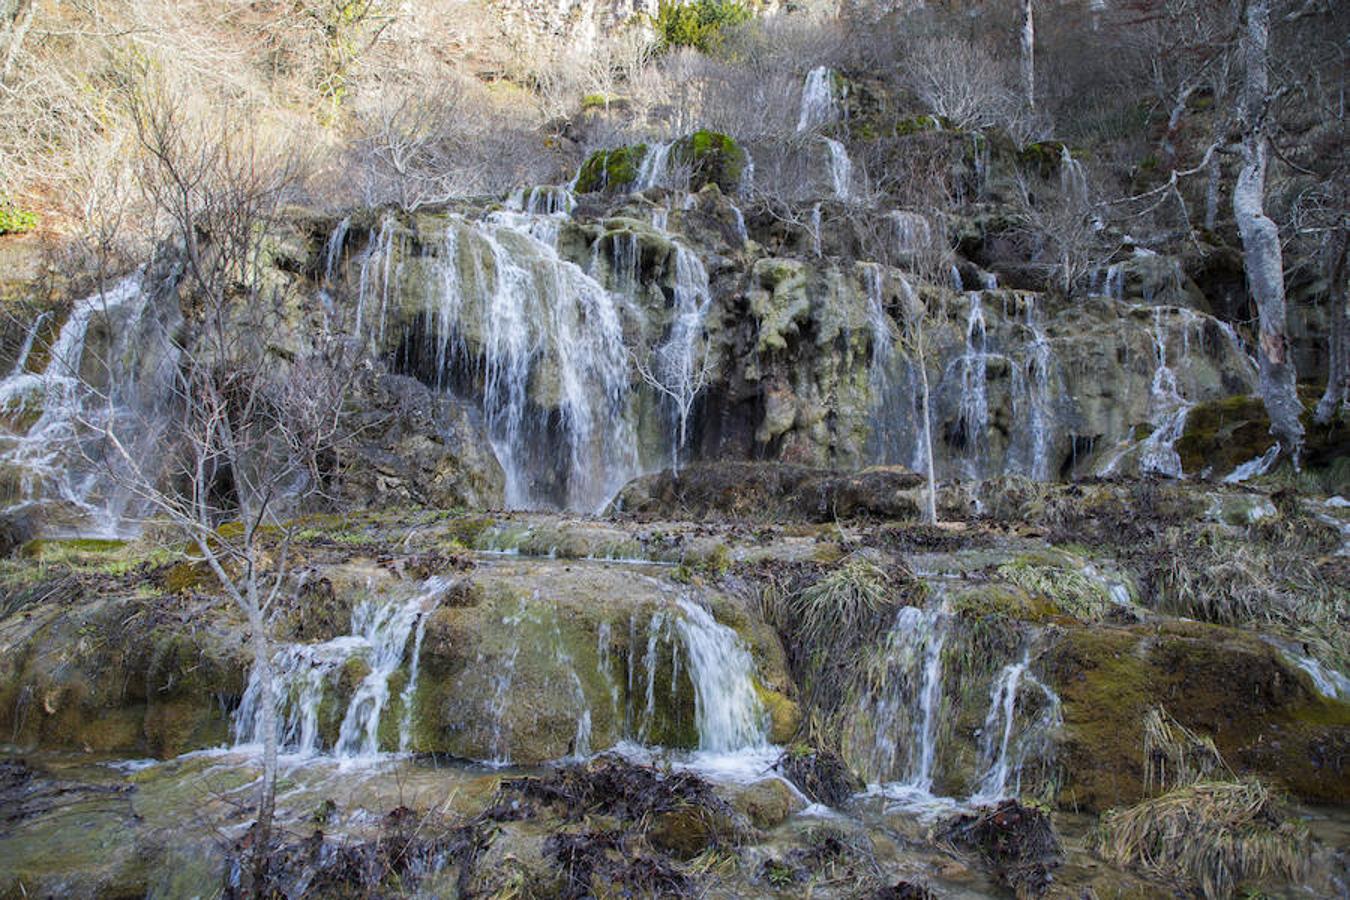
1024,662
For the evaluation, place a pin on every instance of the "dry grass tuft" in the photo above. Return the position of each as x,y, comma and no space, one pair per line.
1213,836
1175,756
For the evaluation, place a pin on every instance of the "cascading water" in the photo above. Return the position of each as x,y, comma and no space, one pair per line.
974,403
1001,757
654,170
727,710
304,675
841,168
679,363
123,385
819,105
1167,412
536,316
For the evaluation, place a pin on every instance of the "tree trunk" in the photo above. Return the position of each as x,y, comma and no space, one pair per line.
1028,54
1261,250
930,502
262,660
1334,262
23,12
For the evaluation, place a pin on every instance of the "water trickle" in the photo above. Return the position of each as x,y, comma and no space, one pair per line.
841,168
1329,682
726,707
654,170
25,351
958,284
1001,757
819,105
815,230
1167,412
122,383
1254,468
678,363
303,674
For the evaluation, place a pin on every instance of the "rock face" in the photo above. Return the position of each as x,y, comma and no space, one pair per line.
526,639
415,447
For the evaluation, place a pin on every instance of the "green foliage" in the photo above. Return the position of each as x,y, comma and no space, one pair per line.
698,24
14,220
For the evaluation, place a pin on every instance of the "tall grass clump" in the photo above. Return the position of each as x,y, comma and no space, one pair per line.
1212,836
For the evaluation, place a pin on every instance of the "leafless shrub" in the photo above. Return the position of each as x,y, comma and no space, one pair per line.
959,81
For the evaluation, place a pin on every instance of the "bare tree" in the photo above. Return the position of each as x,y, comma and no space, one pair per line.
1262,251
248,432
1028,54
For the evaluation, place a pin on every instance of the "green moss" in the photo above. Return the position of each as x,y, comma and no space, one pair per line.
713,158
610,170
14,220
1215,681
919,124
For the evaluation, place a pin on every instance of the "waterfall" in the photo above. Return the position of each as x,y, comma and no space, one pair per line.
304,675
1039,414
819,105
726,707
906,712
566,441
910,717
913,233
1002,757
654,170
123,383
333,247
958,284
883,338
815,231
974,403
742,234
1072,177
1167,412
377,273
841,168
543,200
678,364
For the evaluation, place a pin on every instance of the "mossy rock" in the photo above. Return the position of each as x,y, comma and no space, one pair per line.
1223,434
1264,717
610,170
713,158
